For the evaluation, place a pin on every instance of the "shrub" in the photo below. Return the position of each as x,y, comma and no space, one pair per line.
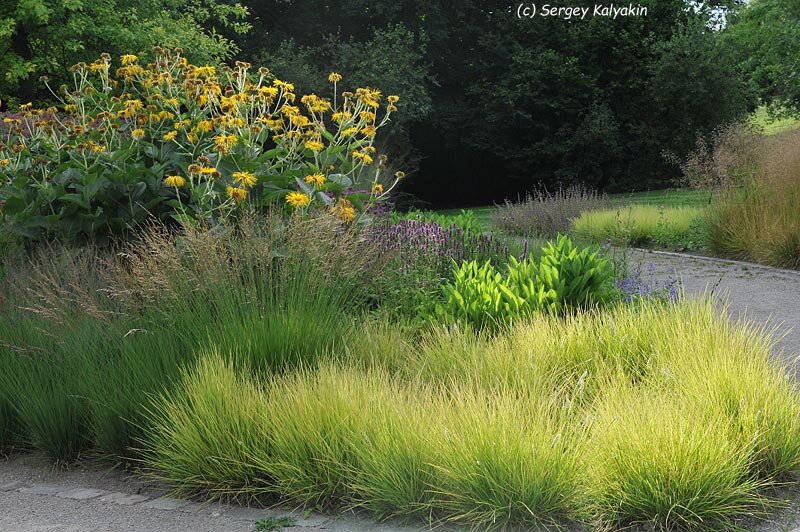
576,278
177,140
546,214
643,225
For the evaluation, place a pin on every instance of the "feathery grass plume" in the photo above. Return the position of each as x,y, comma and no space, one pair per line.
545,214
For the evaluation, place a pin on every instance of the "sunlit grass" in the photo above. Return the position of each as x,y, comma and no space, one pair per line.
659,414
642,225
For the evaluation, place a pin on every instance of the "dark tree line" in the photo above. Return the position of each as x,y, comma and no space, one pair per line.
492,105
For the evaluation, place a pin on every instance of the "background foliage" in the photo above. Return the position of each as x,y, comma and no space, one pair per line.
528,102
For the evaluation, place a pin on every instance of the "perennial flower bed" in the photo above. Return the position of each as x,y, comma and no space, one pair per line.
270,334
176,140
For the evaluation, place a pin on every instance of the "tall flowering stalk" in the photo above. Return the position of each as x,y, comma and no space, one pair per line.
192,142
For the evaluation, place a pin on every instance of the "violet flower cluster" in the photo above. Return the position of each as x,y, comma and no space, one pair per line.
636,287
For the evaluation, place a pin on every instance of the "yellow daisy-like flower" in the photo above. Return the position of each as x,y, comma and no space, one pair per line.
238,194
377,189
393,98
176,181
128,59
170,135
204,126
224,142
137,133
315,179
4,162
366,159
297,199
344,210
247,179
314,145
334,77
283,85
399,174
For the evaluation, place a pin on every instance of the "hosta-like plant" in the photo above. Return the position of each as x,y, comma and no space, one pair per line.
171,139
565,278
576,277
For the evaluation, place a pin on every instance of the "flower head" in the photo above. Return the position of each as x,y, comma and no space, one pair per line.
170,135
224,142
334,77
344,210
238,194
128,59
137,133
247,179
297,199
377,189
314,145
315,179
176,181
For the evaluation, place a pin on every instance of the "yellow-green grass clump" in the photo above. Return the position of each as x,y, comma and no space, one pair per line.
642,225
665,415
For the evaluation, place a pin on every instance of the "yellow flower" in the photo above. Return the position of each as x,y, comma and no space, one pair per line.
224,142
297,199
247,179
137,133
366,159
377,189
369,131
4,162
315,179
341,116
300,120
174,181
128,59
283,85
349,132
133,105
334,77
204,126
344,210
314,145
238,194
399,174
393,98
207,170
170,135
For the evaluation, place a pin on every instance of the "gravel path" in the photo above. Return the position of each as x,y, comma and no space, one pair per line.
35,497
755,293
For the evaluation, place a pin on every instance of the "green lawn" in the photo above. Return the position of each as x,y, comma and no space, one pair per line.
762,119
672,197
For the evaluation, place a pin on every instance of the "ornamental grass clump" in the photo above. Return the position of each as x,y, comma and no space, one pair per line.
663,415
545,214
176,140
657,461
